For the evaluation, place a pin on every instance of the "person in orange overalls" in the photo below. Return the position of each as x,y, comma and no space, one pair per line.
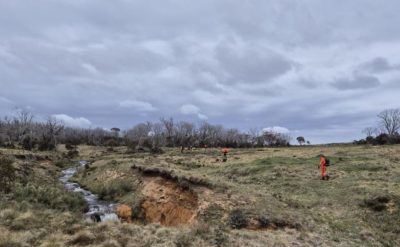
224,151
322,166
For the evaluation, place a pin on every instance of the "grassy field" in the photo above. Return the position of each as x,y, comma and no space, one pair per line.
259,197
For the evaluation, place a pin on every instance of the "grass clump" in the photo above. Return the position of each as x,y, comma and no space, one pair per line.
82,239
237,219
114,189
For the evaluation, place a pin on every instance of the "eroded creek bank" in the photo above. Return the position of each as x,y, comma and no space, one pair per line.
166,200
167,203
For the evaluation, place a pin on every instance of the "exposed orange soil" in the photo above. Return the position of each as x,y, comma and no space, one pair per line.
167,203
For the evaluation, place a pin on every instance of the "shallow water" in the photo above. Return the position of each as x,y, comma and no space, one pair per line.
106,210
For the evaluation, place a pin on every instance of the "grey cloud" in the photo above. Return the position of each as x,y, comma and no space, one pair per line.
358,82
378,64
250,64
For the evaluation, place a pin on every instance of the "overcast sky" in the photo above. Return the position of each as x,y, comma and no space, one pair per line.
321,69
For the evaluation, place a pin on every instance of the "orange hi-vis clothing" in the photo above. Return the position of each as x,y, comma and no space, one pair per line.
322,166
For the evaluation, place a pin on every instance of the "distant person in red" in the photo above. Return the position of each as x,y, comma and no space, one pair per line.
323,163
224,151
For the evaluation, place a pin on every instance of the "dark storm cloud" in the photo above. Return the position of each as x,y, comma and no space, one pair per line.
243,64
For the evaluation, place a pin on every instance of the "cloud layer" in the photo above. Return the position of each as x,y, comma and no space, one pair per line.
322,68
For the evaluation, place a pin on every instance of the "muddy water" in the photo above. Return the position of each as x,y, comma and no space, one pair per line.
97,209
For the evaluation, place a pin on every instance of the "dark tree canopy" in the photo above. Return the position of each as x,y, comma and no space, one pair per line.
301,140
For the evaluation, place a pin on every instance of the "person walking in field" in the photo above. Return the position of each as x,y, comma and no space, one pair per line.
323,163
224,151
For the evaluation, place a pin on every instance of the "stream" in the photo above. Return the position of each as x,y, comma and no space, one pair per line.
98,210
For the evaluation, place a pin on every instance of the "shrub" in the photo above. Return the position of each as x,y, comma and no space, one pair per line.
7,174
263,221
237,219
156,150
49,196
376,204
69,146
28,142
46,143
72,154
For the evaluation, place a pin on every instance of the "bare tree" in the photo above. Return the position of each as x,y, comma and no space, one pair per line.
169,128
389,120
185,133
157,136
49,133
370,131
21,124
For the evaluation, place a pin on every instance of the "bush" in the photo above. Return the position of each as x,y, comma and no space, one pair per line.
156,150
28,142
50,196
263,221
72,154
376,204
237,219
46,143
382,139
7,174
69,146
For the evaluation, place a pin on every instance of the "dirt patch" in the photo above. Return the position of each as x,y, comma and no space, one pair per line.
168,203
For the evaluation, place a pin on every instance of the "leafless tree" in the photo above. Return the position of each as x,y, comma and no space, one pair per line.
157,136
389,120
49,133
370,131
185,133
169,128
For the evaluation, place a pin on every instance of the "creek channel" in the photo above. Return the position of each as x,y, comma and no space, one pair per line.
98,210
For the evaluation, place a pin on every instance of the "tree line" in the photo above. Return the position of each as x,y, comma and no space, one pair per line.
386,130
21,130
